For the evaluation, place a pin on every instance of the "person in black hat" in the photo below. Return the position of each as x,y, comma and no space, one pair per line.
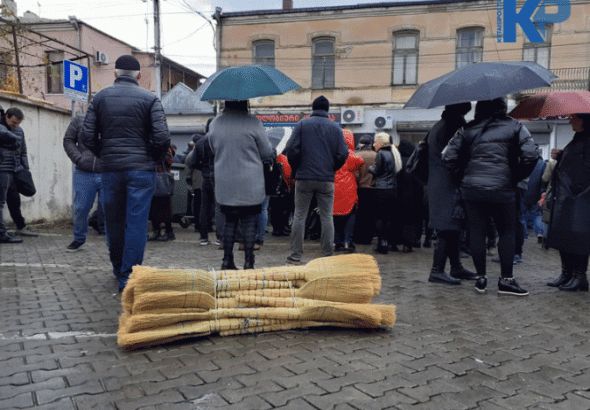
316,150
126,128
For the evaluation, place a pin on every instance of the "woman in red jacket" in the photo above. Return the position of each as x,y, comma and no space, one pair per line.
345,197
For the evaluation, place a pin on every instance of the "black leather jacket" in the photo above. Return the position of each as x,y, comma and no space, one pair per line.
384,170
504,155
126,128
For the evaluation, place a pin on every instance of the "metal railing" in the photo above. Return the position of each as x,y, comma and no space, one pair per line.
567,79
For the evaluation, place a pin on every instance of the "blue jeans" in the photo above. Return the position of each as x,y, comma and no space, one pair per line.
86,187
262,221
126,199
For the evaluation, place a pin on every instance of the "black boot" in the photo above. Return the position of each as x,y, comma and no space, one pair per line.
442,277
437,273
228,263
564,278
249,262
382,247
155,236
579,282
459,272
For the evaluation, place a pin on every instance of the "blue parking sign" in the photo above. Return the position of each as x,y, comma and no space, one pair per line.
75,78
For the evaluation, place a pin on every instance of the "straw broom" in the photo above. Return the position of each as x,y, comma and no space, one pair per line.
359,315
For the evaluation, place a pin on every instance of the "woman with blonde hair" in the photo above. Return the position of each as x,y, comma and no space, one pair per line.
387,164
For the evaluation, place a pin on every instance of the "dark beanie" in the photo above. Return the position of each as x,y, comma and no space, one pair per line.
127,62
321,103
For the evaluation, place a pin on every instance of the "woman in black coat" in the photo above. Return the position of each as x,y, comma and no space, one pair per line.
387,164
569,226
493,153
442,199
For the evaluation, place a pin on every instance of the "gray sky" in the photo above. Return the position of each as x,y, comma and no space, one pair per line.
186,37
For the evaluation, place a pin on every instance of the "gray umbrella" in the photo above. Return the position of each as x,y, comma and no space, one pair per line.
479,82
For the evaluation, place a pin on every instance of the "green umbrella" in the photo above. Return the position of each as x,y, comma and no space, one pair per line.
245,82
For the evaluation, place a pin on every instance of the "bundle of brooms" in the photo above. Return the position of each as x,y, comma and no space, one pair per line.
162,305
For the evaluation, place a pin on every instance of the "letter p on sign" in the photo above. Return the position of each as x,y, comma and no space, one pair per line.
75,75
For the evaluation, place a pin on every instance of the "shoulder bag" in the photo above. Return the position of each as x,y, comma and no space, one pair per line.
164,183
417,165
24,182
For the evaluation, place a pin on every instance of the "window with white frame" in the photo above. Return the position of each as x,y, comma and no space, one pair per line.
469,46
539,53
54,70
264,52
323,63
405,58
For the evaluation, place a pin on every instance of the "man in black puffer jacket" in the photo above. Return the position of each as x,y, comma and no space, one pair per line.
493,153
125,127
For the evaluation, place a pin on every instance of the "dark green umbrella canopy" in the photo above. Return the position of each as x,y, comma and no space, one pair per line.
245,82
480,82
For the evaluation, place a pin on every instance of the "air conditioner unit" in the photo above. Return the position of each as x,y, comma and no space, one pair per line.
353,115
384,122
102,58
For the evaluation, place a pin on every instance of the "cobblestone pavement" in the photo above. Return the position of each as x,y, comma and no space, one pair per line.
450,348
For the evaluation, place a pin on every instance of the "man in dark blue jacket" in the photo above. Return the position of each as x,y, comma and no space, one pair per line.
316,150
126,128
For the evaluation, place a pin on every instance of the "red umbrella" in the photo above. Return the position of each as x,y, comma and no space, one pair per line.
553,104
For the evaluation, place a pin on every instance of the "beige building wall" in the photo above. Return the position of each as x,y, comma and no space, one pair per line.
363,41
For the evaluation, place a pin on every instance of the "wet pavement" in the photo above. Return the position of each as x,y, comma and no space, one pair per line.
450,348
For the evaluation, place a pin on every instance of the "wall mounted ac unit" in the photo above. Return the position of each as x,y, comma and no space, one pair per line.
102,58
384,122
353,115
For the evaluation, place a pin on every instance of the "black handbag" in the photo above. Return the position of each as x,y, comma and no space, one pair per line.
164,183
417,165
274,183
24,182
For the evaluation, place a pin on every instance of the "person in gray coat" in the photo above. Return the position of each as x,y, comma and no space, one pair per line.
239,147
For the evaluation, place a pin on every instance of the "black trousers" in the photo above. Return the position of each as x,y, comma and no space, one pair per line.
245,217
504,216
447,246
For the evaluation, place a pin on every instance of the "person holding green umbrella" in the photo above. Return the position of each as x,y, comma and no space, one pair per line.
239,147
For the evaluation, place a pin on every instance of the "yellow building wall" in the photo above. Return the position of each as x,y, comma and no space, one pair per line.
363,42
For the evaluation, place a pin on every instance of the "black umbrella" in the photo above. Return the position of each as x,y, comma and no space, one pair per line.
479,82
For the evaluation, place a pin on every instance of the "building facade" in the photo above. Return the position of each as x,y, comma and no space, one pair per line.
42,45
369,59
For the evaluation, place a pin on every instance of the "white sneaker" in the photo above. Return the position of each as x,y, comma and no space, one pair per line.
204,242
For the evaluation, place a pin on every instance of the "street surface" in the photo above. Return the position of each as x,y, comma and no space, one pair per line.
450,348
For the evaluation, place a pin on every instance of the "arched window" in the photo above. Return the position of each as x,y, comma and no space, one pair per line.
323,63
263,52
469,46
405,58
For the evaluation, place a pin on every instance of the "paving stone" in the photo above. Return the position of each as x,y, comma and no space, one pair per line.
450,348
51,395
285,396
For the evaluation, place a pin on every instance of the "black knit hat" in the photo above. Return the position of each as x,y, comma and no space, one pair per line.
321,103
127,62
